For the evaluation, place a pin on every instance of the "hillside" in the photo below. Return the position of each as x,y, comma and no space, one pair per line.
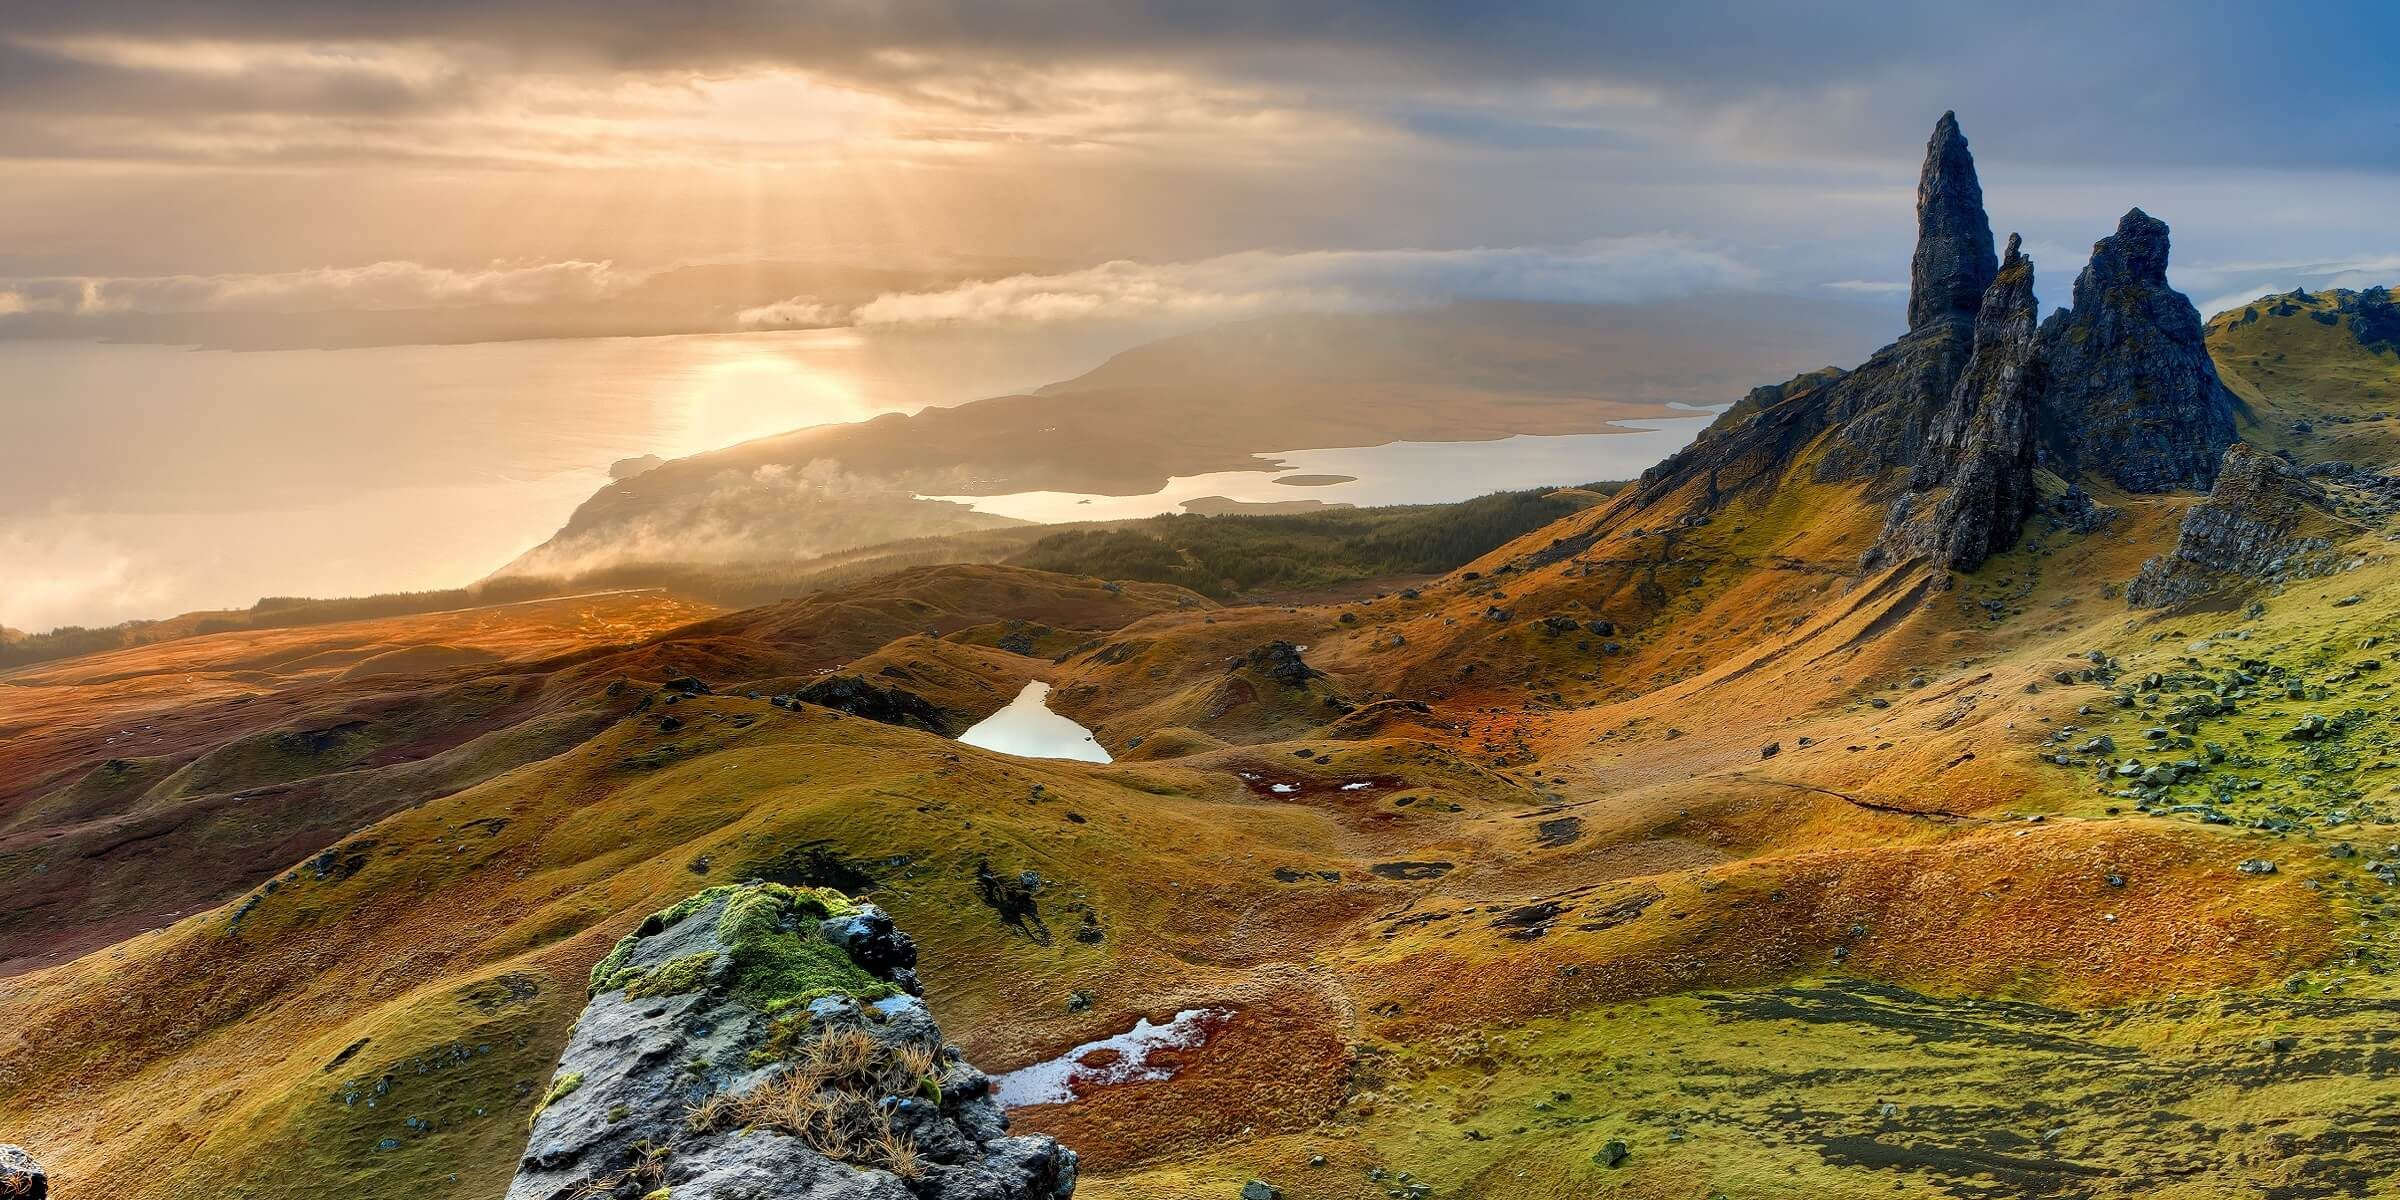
1819,815
1234,555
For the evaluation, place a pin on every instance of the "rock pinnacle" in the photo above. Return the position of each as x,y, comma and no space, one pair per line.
1954,261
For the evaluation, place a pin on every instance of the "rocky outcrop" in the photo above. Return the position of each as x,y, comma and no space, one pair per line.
1954,263
21,1178
1962,423
2132,395
1973,488
1879,416
875,702
1278,661
1768,395
2374,319
2263,523
760,1042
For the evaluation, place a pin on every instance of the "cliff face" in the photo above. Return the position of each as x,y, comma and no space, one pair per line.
2132,395
758,1042
2263,523
1973,488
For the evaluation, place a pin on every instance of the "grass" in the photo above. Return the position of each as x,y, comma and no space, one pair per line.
560,1088
2297,367
1601,916
830,1093
1228,556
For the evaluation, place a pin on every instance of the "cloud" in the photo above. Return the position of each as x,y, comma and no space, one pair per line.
1256,283
1870,287
1799,82
799,312
2231,285
377,286
61,570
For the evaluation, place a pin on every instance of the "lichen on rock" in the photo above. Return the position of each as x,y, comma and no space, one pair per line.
763,1042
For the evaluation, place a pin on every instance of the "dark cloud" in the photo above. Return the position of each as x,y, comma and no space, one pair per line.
36,82
2170,84
1169,130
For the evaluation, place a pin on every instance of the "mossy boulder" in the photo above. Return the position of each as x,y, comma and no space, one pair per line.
766,1042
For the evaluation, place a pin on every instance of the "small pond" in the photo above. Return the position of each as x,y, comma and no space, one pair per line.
1028,729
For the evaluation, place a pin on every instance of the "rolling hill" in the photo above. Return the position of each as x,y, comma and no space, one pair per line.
1816,815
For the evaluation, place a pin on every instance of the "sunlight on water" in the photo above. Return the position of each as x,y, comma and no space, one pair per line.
1395,473
1028,729
745,388
142,481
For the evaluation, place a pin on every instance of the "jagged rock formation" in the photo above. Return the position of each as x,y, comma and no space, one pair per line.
759,1042
1971,492
1954,262
2374,319
2263,523
21,1178
2132,395
1880,415
1978,412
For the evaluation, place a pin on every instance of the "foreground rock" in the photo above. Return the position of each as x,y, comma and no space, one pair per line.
21,1178
759,1042
2263,523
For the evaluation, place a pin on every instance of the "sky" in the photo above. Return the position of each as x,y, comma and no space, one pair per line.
1053,161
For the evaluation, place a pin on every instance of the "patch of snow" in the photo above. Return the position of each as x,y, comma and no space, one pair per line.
1124,1058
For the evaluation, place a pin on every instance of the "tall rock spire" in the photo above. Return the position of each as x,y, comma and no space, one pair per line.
1954,261
2132,393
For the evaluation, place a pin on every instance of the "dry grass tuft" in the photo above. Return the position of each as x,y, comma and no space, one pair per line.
831,1096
